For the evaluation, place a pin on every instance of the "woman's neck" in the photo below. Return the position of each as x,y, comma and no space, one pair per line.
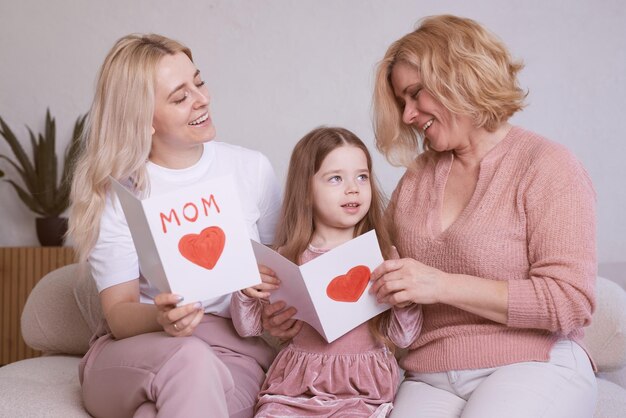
176,159
479,143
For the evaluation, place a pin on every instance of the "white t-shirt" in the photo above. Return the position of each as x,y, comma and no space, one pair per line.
114,258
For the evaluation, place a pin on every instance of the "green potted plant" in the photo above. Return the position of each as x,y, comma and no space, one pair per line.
41,192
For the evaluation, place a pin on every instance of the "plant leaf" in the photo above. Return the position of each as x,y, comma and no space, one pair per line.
42,193
42,164
47,158
27,199
33,144
23,161
33,185
17,167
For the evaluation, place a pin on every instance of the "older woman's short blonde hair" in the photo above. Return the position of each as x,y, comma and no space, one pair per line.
462,65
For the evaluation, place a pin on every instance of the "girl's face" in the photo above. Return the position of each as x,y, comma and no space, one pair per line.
181,105
342,192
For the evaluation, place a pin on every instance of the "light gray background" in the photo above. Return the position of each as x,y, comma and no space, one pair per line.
278,68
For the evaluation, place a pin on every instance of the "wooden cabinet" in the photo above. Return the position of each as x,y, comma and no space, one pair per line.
20,270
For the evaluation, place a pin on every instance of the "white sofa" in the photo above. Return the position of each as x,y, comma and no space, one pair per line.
63,310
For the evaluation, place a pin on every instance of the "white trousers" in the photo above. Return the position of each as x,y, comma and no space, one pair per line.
564,387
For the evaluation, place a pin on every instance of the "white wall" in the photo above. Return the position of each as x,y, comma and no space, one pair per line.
278,68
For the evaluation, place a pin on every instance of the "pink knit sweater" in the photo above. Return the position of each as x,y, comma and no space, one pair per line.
531,222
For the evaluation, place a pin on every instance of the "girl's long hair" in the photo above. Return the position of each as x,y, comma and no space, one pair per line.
118,133
296,227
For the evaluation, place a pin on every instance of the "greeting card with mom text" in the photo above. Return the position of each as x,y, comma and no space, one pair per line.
192,241
330,291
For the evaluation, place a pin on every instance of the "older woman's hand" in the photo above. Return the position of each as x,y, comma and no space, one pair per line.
404,281
177,321
278,321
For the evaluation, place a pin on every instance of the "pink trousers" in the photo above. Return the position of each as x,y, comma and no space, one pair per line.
213,373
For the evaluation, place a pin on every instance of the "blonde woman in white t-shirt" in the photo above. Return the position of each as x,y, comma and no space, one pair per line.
150,128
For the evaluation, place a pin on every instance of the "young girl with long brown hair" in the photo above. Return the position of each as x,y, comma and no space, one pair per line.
330,198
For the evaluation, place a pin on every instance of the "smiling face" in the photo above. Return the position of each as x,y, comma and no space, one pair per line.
420,109
341,188
181,106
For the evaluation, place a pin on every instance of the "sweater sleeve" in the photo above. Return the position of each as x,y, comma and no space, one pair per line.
246,314
559,205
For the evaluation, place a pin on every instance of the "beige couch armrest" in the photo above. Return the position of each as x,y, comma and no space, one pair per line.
605,338
52,320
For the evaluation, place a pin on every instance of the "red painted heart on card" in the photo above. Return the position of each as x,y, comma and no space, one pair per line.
350,286
205,248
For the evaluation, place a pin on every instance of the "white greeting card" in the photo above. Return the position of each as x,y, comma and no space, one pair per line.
192,241
330,292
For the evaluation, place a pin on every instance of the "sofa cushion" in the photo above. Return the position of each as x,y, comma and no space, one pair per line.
51,320
605,338
611,400
41,387
618,377
87,298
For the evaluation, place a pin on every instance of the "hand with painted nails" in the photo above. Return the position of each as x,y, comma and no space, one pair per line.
177,321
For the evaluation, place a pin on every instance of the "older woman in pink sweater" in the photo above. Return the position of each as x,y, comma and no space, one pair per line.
496,225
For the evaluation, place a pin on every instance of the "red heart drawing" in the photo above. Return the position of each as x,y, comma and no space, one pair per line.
205,248
349,287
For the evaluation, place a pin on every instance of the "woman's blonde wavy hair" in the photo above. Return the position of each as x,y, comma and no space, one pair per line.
462,65
118,133
296,227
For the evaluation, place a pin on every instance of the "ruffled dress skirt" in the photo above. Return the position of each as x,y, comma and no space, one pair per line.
354,376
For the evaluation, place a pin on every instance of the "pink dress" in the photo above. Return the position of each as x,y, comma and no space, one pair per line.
354,375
